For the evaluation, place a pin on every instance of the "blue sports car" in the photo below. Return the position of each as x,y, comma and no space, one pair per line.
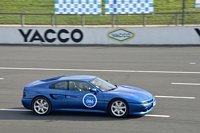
86,93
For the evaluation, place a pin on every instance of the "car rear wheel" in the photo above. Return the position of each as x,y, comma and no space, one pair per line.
118,108
41,106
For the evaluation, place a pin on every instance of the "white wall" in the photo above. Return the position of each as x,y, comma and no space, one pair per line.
177,35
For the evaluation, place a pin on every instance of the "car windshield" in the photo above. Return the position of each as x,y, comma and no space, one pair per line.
102,84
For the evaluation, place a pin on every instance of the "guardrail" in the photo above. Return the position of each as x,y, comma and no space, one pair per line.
165,19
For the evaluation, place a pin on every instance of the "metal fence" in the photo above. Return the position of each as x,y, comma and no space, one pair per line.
165,19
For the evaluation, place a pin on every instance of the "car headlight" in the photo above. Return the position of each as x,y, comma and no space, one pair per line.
145,102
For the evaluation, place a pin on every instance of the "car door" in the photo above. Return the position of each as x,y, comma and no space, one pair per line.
57,93
83,99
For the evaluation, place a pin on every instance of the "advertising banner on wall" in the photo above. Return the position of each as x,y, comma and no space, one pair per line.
182,35
197,3
129,6
77,6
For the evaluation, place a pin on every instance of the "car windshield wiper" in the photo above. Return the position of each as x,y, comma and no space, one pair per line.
112,89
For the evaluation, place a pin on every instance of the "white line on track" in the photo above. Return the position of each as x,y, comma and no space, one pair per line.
1,78
185,83
23,110
157,115
175,97
192,63
15,110
95,70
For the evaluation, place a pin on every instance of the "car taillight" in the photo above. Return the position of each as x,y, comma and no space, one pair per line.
24,94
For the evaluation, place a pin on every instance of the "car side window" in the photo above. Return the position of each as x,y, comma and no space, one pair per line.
60,85
79,86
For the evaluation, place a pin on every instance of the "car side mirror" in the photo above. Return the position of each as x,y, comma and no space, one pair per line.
93,90
108,81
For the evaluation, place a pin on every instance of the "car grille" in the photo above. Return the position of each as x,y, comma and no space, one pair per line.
150,101
148,107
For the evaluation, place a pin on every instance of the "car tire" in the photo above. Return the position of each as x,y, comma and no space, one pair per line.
41,106
118,108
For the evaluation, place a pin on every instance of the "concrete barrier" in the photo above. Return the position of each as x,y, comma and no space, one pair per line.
176,35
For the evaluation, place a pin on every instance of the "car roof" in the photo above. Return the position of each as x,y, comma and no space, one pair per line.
78,77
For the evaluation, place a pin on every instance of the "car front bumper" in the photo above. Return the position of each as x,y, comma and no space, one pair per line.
141,109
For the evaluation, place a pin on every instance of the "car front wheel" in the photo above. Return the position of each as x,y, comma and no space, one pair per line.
41,106
118,108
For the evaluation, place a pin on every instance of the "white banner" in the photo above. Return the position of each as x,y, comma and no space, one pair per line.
197,3
177,35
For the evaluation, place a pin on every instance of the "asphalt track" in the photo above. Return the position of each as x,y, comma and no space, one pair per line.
172,74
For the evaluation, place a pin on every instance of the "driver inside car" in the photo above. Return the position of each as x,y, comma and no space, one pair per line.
83,86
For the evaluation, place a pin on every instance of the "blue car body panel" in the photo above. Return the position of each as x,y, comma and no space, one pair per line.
68,100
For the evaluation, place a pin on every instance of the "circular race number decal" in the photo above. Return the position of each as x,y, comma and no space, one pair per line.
90,100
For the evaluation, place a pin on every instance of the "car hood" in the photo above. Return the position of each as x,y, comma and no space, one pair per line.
132,91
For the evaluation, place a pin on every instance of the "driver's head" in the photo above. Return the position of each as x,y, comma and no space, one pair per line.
81,84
